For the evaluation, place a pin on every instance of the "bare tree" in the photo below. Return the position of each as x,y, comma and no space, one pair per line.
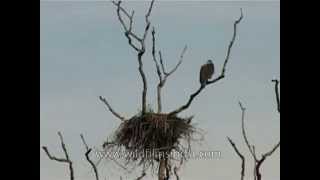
257,161
138,44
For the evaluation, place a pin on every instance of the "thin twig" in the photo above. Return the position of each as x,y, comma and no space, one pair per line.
111,109
241,156
244,134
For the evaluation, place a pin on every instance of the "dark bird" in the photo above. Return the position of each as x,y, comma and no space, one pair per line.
206,72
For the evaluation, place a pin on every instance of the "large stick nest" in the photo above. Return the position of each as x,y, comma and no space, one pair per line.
153,133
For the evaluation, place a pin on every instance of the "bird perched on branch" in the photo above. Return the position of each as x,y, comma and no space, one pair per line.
206,72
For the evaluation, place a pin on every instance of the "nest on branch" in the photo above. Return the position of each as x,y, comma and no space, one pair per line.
149,137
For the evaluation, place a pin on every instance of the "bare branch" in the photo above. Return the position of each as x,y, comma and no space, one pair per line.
161,62
144,80
257,162
269,153
244,134
64,160
276,88
129,34
53,157
221,76
176,66
264,156
110,108
162,75
147,23
241,156
88,150
154,55
128,31
192,96
179,62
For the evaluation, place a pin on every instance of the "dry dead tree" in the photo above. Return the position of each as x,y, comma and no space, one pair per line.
257,161
64,160
148,130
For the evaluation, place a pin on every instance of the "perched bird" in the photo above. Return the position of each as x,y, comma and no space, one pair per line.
206,72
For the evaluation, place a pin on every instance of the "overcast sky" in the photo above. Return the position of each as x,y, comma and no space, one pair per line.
84,54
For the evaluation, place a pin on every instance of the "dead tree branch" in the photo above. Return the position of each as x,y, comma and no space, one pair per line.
111,109
162,73
241,156
88,150
276,88
141,40
64,160
244,134
258,161
221,76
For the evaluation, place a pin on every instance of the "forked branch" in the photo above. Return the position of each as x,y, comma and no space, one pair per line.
64,160
221,76
161,72
257,161
141,40
243,160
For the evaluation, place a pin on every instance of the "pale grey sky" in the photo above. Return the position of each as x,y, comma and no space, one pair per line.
84,54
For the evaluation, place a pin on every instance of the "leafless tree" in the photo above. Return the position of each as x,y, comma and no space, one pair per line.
257,161
138,44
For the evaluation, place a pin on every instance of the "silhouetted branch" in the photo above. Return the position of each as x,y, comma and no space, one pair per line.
276,88
88,150
241,156
111,109
64,160
129,34
222,75
258,162
162,75
244,134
